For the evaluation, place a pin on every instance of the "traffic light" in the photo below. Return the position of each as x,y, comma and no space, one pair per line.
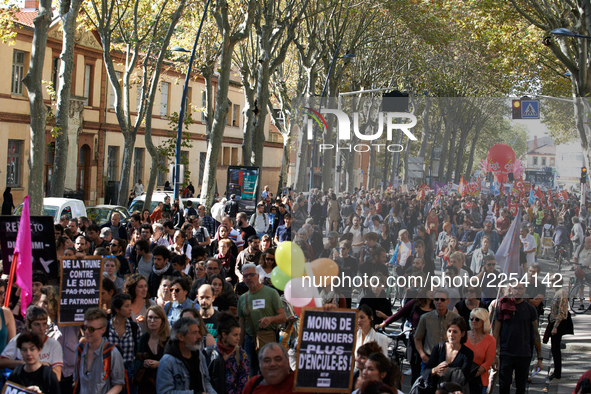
516,106
584,175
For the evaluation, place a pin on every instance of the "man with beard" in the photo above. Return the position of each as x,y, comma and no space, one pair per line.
251,254
183,367
245,229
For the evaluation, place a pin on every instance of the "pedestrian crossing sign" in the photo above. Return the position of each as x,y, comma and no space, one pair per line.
530,109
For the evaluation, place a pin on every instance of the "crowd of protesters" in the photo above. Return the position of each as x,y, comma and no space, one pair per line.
188,304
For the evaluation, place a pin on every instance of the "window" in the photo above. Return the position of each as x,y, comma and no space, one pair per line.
226,158
164,90
203,105
112,163
552,162
162,174
112,99
543,161
18,72
188,100
279,116
535,161
228,118
234,159
88,84
138,164
14,163
235,115
202,158
55,73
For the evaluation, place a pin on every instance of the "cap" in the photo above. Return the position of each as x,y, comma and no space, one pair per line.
333,234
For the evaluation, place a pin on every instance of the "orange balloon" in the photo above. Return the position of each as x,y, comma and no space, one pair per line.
324,267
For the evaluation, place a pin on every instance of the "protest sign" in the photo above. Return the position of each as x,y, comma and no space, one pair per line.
325,355
13,388
42,242
81,282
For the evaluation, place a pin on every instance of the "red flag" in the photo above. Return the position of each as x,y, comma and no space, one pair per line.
538,193
549,197
23,258
437,202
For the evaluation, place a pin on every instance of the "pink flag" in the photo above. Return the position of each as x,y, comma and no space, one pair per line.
508,254
24,258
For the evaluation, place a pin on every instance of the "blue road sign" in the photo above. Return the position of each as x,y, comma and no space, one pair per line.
530,109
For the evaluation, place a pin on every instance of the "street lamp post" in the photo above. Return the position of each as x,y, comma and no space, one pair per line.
313,153
179,134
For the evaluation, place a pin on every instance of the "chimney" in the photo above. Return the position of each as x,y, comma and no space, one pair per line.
32,4
535,142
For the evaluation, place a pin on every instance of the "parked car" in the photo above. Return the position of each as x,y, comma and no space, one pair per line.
101,214
137,204
57,207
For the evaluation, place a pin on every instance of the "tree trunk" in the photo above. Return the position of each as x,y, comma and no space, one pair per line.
227,42
444,154
452,151
33,81
284,164
69,15
426,127
249,120
472,149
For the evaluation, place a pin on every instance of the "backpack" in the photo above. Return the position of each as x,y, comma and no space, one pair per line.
200,236
107,351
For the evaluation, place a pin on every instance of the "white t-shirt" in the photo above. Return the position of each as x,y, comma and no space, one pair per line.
405,249
529,242
262,273
51,353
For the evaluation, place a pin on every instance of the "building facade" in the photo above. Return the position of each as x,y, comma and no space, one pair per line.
96,142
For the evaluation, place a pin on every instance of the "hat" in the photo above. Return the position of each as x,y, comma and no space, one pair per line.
333,234
105,232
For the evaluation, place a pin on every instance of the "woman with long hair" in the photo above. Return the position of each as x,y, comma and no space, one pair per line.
180,246
222,233
385,240
145,217
266,265
470,302
137,287
49,300
453,353
123,332
135,236
561,323
164,294
266,242
483,345
107,293
452,246
228,260
366,332
228,365
378,368
62,243
151,349
224,301
361,357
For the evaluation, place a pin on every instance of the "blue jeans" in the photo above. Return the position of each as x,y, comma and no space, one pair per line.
249,348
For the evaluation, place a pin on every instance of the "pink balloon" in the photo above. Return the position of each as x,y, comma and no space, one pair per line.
298,293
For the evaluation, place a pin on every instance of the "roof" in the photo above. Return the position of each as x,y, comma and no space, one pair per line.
543,150
26,18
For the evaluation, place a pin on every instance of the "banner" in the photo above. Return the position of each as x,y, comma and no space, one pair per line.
444,188
325,356
508,254
13,388
81,283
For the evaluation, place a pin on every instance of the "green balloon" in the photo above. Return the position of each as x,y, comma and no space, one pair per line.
279,278
290,258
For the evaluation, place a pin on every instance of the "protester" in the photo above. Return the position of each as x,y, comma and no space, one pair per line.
483,345
179,288
151,349
164,294
275,376
99,365
227,362
123,332
366,332
260,310
183,366
378,368
559,324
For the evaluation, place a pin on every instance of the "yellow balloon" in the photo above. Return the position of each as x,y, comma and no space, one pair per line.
290,258
324,267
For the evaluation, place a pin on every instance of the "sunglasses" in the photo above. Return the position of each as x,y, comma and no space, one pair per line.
269,259
440,299
175,290
90,329
474,319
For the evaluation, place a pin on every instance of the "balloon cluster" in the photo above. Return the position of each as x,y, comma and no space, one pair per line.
289,275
